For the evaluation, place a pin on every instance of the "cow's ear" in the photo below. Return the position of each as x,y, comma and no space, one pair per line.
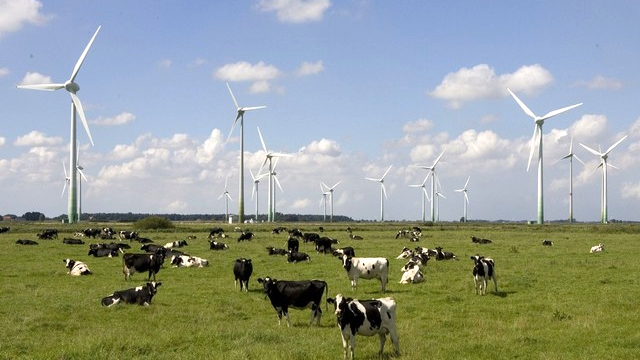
260,280
331,301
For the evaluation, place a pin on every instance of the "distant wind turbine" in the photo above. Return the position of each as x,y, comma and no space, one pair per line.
424,195
330,190
438,196
323,200
76,108
465,199
570,156
432,173
81,172
537,135
603,163
269,155
66,178
256,182
383,192
240,116
227,197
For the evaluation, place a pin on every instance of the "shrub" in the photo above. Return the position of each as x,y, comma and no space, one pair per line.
153,222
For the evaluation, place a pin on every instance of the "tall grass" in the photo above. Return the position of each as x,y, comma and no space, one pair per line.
557,302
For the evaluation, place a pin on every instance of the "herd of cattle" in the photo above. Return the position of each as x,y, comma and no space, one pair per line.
363,317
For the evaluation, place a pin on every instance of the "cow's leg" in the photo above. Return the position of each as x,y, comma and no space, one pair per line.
394,340
352,345
354,284
495,283
246,285
383,339
345,345
286,316
475,284
279,312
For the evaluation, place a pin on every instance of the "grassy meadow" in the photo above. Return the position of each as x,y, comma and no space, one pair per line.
557,302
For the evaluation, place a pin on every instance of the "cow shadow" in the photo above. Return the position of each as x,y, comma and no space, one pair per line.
502,294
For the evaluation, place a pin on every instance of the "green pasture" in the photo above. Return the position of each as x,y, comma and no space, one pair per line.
557,302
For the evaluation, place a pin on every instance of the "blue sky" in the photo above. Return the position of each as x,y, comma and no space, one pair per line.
351,87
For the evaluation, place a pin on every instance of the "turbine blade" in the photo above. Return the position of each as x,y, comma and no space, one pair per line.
386,172
577,158
64,188
613,166
262,140
372,179
233,97
559,111
82,174
597,153
44,87
233,126
466,197
84,54
467,183
253,108
80,111
616,144
426,194
522,105
64,168
533,145
438,159
324,186
336,184
384,191
278,183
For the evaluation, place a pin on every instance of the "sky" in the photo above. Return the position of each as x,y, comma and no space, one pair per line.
350,88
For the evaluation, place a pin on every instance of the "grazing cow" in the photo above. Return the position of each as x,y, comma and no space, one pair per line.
294,257
366,268
152,248
296,232
347,250
216,232
214,245
323,245
4,229
103,252
48,234
26,242
72,241
478,240
597,248
412,274
547,242
178,244
140,295
242,270
132,263
91,232
444,255
128,235
284,294
278,230
273,251
180,261
245,236
483,270
368,318
310,237
76,268
293,244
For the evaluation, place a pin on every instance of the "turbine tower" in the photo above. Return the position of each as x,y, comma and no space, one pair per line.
438,196
227,197
76,107
81,172
537,135
383,192
330,190
323,199
269,155
432,173
424,196
570,156
256,182
465,199
240,116
603,163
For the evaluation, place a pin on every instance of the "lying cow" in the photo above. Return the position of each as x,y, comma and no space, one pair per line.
177,244
71,241
274,251
366,268
294,257
483,271
187,261
132,263
347,250
368,318
444,255
478,240
26,242
103,252
76,268
128,235
245,236
242,270
140,295
296,294
406,253
597,248
214,245
412,275
547,242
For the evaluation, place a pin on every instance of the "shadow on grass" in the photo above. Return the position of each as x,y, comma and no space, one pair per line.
502,294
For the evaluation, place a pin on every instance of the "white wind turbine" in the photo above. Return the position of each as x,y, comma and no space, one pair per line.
330,190
66,178
256,182
537,134
323,200
383,192
269,155
424,195
570,156
227,197
76,108
81,172
465,199
432,173
603,163
438,196
240,116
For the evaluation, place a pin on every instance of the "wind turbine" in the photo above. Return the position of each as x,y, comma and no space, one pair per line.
256,182
465,200
438,196
537,134
383,192
603,163
81,172
432,173
324,200
330,190
274,175
240,116
227,197
66,178
76,108
570,156
424,196
269,155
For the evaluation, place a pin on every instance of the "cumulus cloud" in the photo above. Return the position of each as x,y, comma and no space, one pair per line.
123,151
601,83
32,78
321,147
210,147
588,127
481,82
37,138
4,71
120,119
3,140
634,130
259,74
307,68
421,125
295,11
15,13
630,190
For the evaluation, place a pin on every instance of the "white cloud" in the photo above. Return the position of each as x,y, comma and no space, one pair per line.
300,204
321,147
631,190
3,140
37,138
4,71
32,78
176,206
15,13
245,71
601,83
634,129
122,151
197,62
120,119
210,147
481,82
588,127
296,11
421,125
307,68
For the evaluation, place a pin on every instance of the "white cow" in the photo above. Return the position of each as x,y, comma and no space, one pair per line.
368,318
188,261
76,268
366,268
412,276
597,248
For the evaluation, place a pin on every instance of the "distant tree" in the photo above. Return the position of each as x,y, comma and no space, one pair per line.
34,216
153,222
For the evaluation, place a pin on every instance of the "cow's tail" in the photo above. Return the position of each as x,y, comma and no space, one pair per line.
326,296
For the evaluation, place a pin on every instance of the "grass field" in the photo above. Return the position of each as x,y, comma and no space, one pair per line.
557,302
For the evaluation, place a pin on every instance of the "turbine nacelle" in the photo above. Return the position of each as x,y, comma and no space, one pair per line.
71,86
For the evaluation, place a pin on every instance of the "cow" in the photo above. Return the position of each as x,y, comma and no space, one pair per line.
278,230
140,295
178,244
478,240
91,232
412,275
347,250
216,232
406,253
483,270
355,237
274,251
72,241
188,261
132,263
323,245
76,268
128,235
444,255
366,268
103,252
284,294
143,240
294,257
26,242
48,234
419,260
4,229
242,270
293,244
430,252
597,248
296,232
106,233
152,248
111,245
245,236
214,245
547,242
368,318
310,237
402,233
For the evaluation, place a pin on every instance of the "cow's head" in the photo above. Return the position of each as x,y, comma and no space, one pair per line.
68,263
152,287
346,262
340,303
267,283
477,258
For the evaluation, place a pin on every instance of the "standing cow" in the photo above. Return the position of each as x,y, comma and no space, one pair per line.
366,268
132,263
483,270
242,270
296,294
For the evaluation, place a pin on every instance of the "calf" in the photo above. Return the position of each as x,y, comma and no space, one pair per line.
132,263
294,257
483,270
140,295
76,268
368,318
444,255
178,244
245,236
597,248
412,275
273,251
102,252
71,241
296,294
242,270
26,242
366,268
293,244
214,245
347,250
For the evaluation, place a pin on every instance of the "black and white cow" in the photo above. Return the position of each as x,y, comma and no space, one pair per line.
293,244
347,250
128,235
76,268
26,242
419,260
242,270
184,260
177,244
216,232
103,252
310,237
406,253
274,251
478,240
323,245
152,248
245,236
133,263
140,295
547,242
368,318
214,245
48,234
91,232
111,245
296,232
284,294
4,229
294,257
72,241
278,230
107,233
412,274
366,268
483,271
444,255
